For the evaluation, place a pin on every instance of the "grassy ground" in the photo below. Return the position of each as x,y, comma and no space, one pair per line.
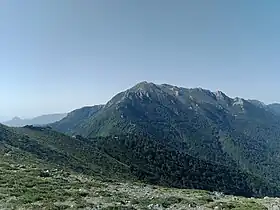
28,186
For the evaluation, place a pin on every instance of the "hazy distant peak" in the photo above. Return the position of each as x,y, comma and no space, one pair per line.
40,120
16,118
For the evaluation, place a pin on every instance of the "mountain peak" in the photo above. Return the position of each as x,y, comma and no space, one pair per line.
220,95
16,118
143,85
144,88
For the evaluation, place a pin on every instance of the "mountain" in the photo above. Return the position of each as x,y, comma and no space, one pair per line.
209,126
164,135
40,120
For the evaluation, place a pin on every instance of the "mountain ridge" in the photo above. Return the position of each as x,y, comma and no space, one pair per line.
39,120
77,116
205,96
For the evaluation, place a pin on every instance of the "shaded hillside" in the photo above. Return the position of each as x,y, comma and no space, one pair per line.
127,157
151,160
50,147
71,122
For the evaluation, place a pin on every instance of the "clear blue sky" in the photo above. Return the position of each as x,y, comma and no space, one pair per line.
56,56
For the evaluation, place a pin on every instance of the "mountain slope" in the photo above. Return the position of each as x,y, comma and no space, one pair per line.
126,157
40,120
157,163
68,190
206,125
72,121
38,170
53,148
275,108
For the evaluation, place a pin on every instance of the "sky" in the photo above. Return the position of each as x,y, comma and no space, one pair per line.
56,56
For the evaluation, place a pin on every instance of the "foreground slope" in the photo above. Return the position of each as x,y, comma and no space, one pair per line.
38,144
127,157
29,181
207,125
31,177
29,186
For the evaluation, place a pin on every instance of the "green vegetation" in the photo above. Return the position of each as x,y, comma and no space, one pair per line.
23,187
156,134
130,157
238,205
152,161
75,118
241,135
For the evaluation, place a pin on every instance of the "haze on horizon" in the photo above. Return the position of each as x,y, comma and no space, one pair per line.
56,56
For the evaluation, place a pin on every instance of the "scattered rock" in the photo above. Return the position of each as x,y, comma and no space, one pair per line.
45,173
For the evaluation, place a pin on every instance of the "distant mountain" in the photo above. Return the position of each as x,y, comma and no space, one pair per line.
209,126
40,120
